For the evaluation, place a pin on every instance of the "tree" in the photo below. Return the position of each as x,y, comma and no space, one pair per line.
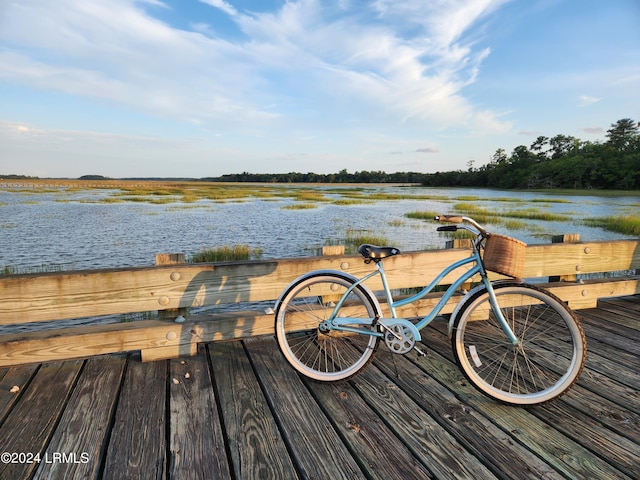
622,133
500,157
562,145
538,145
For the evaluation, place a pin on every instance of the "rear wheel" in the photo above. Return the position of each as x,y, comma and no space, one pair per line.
551,351
325,355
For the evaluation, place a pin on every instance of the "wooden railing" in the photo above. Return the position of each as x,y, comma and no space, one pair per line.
51,297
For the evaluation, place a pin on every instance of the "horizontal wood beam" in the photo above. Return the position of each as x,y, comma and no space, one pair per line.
158,339
55,296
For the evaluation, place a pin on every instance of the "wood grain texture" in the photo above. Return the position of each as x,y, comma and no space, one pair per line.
422,434
13,377
137,444
85,422
380,453
196,441
30,423
310,436
469,428
563,454
256,446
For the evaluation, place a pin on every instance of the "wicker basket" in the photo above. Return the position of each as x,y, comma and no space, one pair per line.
504,255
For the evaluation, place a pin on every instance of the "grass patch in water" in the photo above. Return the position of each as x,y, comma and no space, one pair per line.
299,206
396,223
516,225
44,268
483,215
626,225
418,215
350,201
354,237
225,253
534,214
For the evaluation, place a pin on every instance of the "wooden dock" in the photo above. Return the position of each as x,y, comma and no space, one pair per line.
238,410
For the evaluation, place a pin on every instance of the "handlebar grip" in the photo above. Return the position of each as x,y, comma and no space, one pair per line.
449,218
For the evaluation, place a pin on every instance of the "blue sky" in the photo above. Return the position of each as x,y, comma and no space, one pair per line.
198,88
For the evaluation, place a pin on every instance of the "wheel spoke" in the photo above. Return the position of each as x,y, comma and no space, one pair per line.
545,363
324,355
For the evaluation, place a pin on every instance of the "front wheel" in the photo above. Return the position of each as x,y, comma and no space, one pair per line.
546,362
326,355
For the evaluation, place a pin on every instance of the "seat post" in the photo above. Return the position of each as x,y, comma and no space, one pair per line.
385,286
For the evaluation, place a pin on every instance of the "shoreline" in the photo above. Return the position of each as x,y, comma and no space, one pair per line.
129,183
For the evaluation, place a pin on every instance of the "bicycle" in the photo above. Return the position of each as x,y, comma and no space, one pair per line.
515,342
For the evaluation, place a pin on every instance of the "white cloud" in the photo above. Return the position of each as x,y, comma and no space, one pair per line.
222,5
586,100
406,61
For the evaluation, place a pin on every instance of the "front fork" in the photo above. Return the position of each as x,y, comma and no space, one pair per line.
498,312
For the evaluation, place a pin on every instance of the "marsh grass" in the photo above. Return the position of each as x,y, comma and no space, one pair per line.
396,223
626,225
356,237
225,253
421,215
509,218
549,200
535,214
479,214
44,268
299,206
310,196
189,192
351,201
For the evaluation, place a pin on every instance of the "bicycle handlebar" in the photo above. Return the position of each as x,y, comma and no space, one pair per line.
449,218
461,219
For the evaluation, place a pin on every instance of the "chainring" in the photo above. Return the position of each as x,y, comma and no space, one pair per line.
399,338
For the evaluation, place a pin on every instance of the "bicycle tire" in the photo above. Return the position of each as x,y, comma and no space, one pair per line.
546,363
324,356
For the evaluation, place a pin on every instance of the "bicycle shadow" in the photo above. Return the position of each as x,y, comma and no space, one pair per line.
222,302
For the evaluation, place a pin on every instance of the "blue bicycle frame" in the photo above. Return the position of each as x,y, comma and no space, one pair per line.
345,324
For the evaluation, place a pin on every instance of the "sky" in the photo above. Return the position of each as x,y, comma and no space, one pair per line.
200,88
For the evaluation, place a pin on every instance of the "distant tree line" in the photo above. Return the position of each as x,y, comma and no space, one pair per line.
341,177
558,162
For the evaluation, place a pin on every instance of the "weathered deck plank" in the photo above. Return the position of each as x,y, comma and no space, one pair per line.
379,452
470,428
82,428
196,439
316,447
239,411
137,445
255,444
29,425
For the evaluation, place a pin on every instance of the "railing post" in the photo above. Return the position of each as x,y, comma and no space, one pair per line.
327,251
334,250
566,238
171,259
461,243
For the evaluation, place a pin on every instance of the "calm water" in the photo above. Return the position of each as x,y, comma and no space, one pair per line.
73,230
